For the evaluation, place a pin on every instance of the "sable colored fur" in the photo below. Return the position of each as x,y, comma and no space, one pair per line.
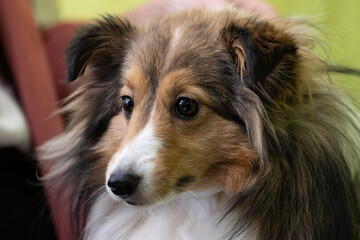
272,133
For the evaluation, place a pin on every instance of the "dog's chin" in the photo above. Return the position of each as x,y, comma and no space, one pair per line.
137,199
140,201
132,201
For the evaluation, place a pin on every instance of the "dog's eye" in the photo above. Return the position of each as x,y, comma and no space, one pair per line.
128,105
186,107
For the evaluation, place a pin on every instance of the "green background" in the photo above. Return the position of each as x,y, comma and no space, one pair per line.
338,20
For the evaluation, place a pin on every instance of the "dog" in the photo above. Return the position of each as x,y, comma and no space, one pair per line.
205,124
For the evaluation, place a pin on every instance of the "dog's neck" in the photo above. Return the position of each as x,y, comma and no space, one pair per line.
186,216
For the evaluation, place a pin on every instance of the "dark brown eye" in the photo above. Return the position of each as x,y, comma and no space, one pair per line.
128,105
186,107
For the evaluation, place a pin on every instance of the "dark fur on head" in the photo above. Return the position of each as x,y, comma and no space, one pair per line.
302,129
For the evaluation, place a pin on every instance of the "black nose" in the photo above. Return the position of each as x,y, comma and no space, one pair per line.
123,185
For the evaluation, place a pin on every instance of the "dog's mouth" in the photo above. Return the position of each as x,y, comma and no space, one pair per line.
142,197
133,203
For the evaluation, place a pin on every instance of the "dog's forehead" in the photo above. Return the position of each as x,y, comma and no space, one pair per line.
184,44
177,43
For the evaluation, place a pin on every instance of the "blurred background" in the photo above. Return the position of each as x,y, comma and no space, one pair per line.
339,20
34,34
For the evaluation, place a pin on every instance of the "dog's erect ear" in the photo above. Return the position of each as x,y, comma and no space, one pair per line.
265,58
97,43
263,55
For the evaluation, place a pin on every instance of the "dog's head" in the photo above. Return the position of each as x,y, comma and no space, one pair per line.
180,104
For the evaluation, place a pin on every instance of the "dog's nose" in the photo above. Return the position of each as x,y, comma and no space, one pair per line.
123,185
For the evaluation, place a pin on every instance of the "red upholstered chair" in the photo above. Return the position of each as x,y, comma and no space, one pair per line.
35,59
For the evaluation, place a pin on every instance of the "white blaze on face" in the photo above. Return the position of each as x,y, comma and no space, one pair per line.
177,35
136,157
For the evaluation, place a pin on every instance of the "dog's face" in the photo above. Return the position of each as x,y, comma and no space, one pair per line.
176,106
173,140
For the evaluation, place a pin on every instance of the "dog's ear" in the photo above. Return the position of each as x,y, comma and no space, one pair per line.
96,44
264,56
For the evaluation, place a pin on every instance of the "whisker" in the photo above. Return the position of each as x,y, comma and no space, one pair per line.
174,201
96,192
197,199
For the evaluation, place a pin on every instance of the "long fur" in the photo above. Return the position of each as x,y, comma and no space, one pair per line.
304,182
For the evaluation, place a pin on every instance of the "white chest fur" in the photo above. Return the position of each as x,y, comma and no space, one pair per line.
185,217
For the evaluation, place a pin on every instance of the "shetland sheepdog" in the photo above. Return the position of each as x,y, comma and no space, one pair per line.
205,124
